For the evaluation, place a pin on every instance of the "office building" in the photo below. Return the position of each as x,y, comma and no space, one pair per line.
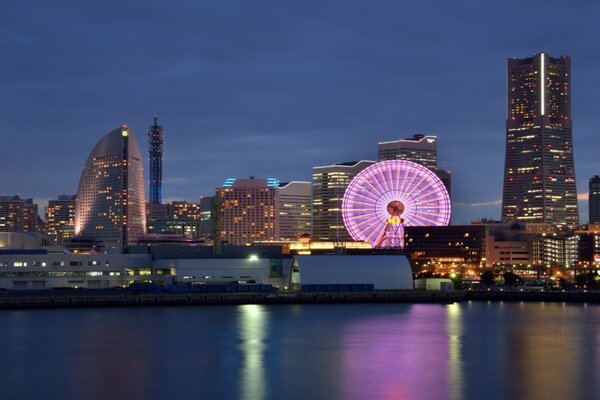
110,206
19,215
60,219
206,210
178,217
421,149
249,211
155,157
594,200
328,186
294,210
539,170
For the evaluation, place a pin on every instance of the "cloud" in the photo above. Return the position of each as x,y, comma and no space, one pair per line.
479,204
582,196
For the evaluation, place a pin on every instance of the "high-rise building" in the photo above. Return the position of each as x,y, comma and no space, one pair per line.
328,186
206,210
249,211
421,149
539,170
110,206
294,209
594,200
156,139
60,219
19,215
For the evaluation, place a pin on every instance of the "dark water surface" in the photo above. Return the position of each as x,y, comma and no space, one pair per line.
378,351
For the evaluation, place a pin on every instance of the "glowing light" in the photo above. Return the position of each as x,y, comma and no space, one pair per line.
253,258
543,85
388,195
124,133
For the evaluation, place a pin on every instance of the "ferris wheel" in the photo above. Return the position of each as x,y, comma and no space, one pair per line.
389,195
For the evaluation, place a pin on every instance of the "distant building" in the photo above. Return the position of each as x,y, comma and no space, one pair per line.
111,206
328,186
294,210
156,139
60,219
178,217
539,170
206,210
594,200
249,211
458,245
19,215
421,149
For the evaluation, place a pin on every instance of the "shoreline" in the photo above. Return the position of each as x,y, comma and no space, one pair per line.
128,299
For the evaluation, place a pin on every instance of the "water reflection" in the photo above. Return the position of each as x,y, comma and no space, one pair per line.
378,351
396,356
454,329
252,328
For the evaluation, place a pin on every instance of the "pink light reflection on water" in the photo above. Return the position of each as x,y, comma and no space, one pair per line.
402,356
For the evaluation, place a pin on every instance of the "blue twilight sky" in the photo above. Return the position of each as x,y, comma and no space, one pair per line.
273,88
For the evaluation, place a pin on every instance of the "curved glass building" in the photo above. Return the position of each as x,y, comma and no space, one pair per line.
110,206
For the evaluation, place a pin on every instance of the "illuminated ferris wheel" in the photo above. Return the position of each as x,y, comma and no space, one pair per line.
389,195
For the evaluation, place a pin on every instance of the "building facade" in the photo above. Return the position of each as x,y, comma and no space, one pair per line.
421,149
19,215
539,170
110,206
60,219
594,200
249,211
328,186
178,217
294,210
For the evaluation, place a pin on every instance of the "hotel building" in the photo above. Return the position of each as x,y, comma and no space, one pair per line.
248,211
539,170
110,206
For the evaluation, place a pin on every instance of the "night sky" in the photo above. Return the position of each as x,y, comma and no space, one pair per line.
273,88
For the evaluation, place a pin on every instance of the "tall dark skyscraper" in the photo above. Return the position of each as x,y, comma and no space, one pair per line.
156,139
539,170
594,200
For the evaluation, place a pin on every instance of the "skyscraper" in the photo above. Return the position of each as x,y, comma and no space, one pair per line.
328,186
421,149
18,215
60,218
156,139
248,211
539,170
594,200
294,210
110,206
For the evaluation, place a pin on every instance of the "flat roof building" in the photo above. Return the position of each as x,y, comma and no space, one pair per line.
19,215
294,210
249,211
328,186
60,219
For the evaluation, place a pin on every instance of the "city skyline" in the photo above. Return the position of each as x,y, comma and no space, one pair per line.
279,100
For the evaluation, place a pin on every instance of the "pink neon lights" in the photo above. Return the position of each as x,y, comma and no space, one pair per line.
380,188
